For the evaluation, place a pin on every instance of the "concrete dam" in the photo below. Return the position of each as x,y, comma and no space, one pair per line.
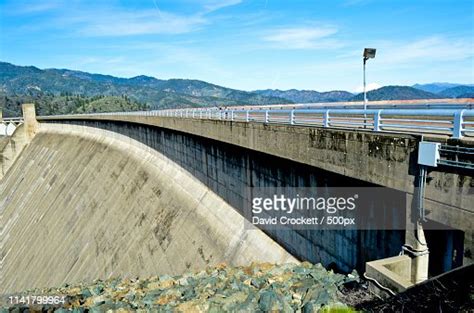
92,196
81,203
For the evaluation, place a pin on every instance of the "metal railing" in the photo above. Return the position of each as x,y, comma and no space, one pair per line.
456,123
453,104
8,125
12,119
456,156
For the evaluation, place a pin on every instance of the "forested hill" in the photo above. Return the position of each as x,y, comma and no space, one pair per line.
396,93
152,92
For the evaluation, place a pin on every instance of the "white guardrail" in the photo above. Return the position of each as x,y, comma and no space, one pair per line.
456,123
9,125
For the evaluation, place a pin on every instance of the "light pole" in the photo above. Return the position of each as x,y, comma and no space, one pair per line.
369,53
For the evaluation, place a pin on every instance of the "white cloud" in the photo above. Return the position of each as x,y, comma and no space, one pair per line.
114,21
426,50
30,7
303,37
40,7
100,20
143,22
213,5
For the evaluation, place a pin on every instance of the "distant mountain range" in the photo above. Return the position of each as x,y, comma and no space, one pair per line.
383,93
434,87
396,93
445,90
307,96
28,83
154,92
458,92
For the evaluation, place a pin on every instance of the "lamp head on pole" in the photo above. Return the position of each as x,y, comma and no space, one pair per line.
369,53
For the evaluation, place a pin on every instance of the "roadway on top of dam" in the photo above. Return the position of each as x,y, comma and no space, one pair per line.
453,118
445,117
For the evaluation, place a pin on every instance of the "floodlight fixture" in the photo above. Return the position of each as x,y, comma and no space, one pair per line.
369,53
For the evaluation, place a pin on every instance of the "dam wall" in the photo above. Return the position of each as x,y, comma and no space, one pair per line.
229,170
382,159
11,147
83,203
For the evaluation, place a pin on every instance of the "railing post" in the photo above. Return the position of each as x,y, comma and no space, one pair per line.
247,116
266,116
458,124
231,115
326,122
377,121
292,117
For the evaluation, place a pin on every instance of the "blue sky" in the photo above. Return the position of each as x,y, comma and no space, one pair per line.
249,45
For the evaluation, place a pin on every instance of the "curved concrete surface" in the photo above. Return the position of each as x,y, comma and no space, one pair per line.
10,148
81,203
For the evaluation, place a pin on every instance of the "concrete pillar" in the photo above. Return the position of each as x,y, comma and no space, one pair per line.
30,122
419,265
415,242
417,249
1,116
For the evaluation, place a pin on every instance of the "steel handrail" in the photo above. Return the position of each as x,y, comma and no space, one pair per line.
379,120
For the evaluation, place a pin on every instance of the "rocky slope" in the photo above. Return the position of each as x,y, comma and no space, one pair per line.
257,287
